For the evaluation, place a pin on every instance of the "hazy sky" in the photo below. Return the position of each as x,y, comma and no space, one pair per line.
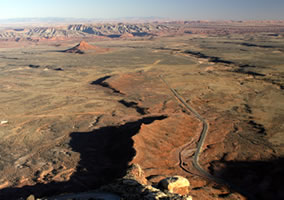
178,9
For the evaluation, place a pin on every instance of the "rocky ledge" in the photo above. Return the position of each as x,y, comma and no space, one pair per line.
133,186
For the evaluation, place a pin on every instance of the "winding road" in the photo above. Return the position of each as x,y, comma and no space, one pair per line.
203,133
200,144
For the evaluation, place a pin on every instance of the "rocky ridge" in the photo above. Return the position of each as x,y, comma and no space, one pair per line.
133,186
81,31
128,30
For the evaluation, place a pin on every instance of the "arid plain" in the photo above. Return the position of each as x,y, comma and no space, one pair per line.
78,118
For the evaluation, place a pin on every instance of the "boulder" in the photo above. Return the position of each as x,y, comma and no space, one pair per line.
175,184
31,197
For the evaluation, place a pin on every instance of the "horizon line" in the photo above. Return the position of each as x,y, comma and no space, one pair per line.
136,17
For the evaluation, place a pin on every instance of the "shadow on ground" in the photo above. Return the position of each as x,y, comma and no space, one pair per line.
253,179
105,154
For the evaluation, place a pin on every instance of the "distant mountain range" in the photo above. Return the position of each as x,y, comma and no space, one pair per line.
109,30
37,29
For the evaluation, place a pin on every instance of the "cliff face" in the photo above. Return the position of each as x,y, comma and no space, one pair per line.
132,186
83,31
125,30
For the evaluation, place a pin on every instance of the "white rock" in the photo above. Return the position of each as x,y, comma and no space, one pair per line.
4,122
189,198
175,184
31,197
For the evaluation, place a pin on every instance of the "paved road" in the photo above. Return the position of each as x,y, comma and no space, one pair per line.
203,133
200,144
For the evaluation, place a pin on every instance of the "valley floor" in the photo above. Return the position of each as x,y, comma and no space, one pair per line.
73,122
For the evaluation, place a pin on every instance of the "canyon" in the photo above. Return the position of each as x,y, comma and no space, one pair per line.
80,103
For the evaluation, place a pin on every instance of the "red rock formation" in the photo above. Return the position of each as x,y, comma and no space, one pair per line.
83,46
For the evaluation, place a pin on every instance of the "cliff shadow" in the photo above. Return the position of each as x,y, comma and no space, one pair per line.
253,179
104,156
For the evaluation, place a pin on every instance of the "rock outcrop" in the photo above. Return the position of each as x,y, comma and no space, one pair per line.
82,47
132,186
122,30
175,184
135,172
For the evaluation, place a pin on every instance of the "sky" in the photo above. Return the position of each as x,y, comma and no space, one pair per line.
173,9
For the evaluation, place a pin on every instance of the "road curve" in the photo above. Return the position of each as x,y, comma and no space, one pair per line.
202,138
200,144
